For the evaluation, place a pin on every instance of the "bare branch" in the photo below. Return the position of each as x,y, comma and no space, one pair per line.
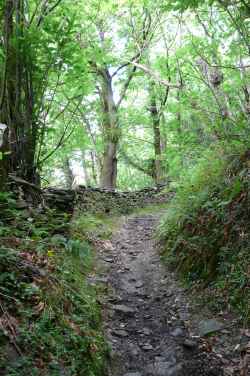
124,65
155,76
125,87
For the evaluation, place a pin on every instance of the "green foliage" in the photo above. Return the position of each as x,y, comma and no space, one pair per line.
205,231
192,118
47,298
61,49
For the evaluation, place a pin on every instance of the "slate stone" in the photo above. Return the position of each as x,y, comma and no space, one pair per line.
120,333
177,332
209,326
147,347
162,368
139,284
190,344
146,331
123,309
134,352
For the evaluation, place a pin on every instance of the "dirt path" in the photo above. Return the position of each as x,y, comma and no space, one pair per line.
146,313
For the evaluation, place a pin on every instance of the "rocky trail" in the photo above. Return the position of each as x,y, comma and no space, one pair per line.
146,313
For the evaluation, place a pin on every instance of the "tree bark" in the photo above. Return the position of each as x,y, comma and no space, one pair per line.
109,168
94,167
16,99
68,173
85,169
4,162
108,177
155,116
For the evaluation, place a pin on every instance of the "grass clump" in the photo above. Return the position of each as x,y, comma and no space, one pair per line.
206,230
88,226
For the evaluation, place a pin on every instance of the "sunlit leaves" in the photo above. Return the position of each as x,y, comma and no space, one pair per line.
80,35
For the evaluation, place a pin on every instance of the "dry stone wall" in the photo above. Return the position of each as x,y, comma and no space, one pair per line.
96,200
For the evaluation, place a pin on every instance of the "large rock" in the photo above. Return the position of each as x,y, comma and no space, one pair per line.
209,326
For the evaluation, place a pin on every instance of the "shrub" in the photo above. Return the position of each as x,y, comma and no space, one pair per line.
206,230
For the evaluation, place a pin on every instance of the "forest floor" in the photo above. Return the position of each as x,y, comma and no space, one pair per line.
152,325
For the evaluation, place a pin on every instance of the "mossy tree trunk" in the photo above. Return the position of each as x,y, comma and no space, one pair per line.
111,132
17,99
3,159
155,113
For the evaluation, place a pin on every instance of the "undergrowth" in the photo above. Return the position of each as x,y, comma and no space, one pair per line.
50,322
95,226
206,230
150,209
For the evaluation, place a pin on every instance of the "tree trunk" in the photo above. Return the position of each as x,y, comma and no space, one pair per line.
3,158
158,170
16,99
85,169
108,177
109,168
68,173
94,167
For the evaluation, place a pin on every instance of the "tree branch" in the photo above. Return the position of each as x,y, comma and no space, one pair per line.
125,87
155,76
124,65
47,11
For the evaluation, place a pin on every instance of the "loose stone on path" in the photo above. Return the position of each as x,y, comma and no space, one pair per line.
146,309
124,309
